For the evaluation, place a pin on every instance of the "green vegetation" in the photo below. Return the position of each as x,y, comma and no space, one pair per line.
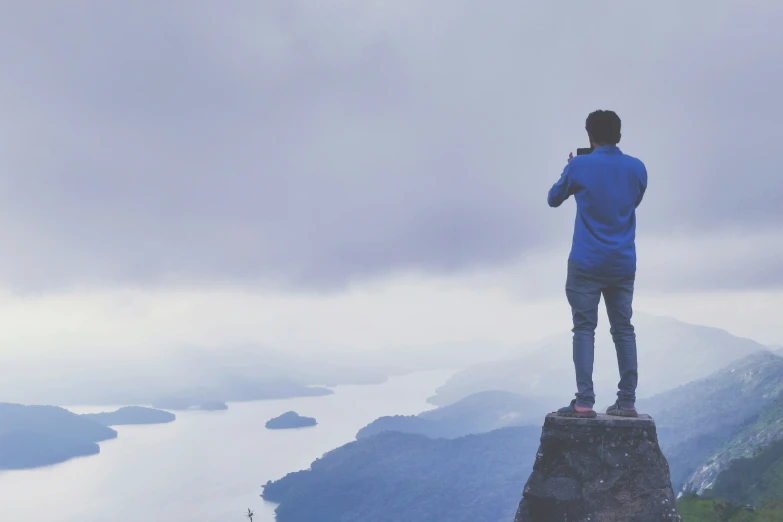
760,431
756,481
697,509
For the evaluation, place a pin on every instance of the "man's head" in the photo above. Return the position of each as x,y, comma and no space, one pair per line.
603,128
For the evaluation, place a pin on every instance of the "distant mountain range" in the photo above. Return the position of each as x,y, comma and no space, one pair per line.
745,401
764,429
702,426
699,419
190,377
671,353
477,413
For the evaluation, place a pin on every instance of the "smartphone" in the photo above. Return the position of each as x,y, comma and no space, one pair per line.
579,152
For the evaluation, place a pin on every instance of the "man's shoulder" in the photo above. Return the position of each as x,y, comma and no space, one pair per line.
634,161
579,161
589,161
636,166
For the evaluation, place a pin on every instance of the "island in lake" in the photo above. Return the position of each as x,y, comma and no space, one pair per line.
189,403
213,406
290,420
131,415
33,436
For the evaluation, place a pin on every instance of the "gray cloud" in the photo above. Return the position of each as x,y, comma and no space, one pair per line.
311,144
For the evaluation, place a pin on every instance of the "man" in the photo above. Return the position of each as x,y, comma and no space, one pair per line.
608,186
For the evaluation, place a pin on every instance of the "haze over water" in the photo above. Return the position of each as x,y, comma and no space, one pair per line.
205,466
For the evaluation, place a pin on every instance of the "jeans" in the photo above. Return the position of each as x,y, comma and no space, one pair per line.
584,295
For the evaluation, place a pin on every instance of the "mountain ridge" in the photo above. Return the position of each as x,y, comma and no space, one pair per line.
696,419
413,478
749,442
477,413
699,351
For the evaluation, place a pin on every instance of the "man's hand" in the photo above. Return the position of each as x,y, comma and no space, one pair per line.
570,156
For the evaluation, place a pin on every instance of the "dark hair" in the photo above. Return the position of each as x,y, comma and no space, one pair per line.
603,127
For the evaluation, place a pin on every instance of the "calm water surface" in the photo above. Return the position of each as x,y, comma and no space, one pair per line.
205,466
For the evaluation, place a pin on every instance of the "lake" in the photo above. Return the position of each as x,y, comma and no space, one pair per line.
205,466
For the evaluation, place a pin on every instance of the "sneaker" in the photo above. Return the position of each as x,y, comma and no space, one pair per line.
617,411
570,411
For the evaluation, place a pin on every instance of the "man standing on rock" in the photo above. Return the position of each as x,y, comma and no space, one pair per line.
608,186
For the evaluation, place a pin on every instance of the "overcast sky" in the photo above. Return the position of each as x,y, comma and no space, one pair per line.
356,173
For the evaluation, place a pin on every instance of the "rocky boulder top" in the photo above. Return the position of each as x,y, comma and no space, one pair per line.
604,469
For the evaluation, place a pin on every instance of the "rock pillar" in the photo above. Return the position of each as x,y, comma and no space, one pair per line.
606,469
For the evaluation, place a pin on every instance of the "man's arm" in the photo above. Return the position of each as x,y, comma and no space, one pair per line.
560,190
642,185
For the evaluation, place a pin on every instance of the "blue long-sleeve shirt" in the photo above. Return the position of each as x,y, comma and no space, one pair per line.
608,186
